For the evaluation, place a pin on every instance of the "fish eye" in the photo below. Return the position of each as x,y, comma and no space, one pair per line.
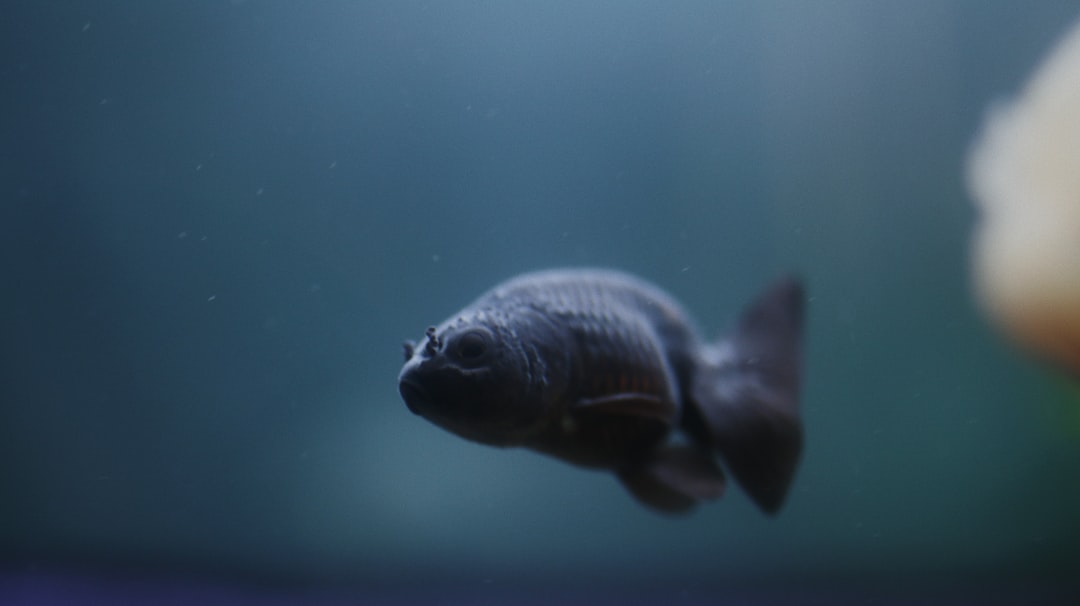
472,345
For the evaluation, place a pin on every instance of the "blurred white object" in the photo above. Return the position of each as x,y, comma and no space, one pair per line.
1024,172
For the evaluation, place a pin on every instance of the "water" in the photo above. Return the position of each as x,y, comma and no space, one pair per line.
222,219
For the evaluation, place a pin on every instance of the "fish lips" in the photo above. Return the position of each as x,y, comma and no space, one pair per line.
440,391
414,384
416,396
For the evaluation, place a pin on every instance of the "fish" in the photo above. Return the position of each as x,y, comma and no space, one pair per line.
604,370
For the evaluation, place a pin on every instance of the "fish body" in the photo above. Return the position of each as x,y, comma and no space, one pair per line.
604,370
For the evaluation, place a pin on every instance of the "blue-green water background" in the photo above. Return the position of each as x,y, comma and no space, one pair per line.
221,219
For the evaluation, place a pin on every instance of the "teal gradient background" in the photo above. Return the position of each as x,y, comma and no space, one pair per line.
222,218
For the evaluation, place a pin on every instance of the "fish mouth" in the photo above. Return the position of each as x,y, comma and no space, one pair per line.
415,395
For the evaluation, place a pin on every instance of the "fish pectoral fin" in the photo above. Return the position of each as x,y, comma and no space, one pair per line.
629,404
674,478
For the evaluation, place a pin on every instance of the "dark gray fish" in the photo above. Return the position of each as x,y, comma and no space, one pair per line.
604,370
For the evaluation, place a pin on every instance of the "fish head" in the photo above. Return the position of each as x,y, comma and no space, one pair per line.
469,376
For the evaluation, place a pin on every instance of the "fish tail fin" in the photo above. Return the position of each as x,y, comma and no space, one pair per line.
744,399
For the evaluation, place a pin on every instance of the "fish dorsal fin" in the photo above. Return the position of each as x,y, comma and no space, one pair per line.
674,478
628,404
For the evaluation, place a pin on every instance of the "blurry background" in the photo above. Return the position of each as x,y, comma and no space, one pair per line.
220,220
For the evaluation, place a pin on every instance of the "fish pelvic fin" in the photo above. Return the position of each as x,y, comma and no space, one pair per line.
673,479
744,397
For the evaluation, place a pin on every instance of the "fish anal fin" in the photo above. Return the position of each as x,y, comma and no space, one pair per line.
673,479
629,405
